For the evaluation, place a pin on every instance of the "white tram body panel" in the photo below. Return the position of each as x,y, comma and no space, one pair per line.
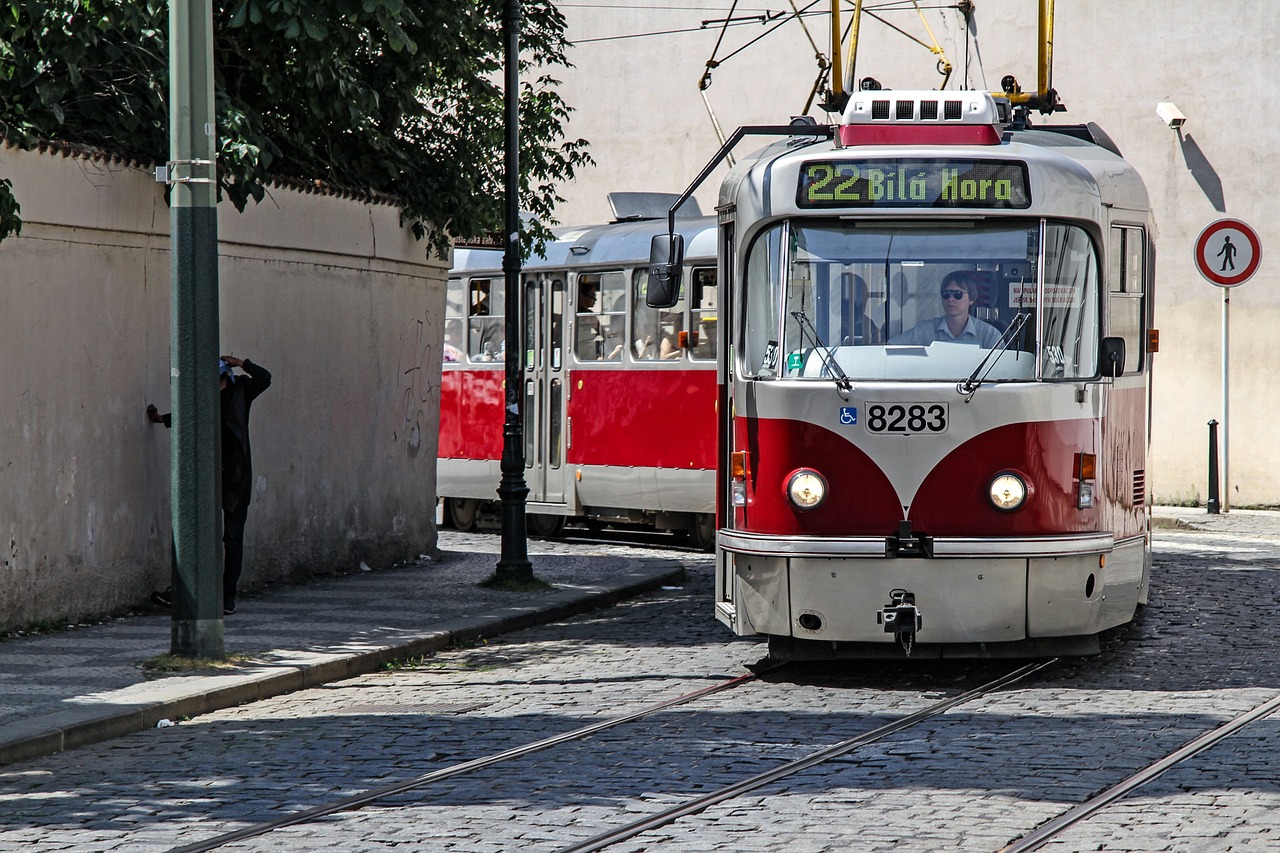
990,487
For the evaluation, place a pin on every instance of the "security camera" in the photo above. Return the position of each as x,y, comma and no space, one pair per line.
1170,115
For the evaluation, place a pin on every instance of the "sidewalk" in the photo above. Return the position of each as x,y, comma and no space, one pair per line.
1236,522
84,685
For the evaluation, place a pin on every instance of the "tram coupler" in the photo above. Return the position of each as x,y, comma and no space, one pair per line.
901,618
908,544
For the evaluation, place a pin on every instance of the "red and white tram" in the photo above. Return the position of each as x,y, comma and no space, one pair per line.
934,383
604,374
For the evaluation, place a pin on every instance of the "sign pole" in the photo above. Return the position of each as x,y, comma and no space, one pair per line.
1226,396
1227,253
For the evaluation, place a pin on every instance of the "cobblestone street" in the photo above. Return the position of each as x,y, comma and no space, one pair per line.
974,778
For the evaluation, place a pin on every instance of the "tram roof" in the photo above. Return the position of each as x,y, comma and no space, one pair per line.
1053,149
1118,181
596,245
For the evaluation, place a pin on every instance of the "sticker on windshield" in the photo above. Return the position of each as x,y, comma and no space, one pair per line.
770,363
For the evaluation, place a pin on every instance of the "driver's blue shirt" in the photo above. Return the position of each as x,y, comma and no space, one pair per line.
926,332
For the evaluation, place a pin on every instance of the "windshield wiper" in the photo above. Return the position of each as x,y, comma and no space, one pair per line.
843,381
970,385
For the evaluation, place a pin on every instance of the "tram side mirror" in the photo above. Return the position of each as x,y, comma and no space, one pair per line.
1112,356
666,260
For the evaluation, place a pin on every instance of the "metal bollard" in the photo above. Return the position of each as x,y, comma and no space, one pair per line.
1213,505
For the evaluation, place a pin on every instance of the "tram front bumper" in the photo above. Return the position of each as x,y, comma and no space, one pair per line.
971,591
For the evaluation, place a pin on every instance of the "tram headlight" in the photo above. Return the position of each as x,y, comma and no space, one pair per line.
807,489
1008,491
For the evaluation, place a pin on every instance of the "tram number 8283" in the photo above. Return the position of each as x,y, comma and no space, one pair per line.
907,418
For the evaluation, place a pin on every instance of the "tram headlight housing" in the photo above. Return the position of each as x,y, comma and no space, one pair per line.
1086,469
1008,491
806,489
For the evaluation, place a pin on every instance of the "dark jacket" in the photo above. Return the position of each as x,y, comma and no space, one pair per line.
237,457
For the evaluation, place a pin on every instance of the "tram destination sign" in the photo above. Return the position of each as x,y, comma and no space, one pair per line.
914,182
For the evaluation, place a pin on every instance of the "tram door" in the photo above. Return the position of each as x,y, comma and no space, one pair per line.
544,377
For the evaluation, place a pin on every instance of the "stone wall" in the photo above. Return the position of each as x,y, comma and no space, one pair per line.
331,294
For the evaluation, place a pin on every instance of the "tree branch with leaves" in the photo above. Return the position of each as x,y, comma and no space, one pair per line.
388,96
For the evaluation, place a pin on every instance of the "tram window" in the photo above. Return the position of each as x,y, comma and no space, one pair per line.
760,344
455,298
454,322
556,430
1069,348
533,343
453,344
928,302
655,332
487,337
529,412
480,292
1126,266
600,323
1127,286
557,314
705,313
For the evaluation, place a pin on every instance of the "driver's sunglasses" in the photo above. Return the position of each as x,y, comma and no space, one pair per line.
954,294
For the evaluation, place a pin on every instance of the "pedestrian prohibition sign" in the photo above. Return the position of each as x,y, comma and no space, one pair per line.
1228,252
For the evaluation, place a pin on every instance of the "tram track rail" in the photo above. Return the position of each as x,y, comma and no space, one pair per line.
360,800
365,798
1051,829
668,816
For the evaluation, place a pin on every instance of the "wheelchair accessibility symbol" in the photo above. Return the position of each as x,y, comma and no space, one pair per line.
848,414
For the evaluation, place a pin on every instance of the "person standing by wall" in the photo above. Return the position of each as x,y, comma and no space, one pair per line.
237,395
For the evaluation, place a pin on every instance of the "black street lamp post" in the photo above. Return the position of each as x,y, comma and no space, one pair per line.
513,563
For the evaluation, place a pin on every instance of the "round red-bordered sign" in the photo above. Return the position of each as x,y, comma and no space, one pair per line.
1228,252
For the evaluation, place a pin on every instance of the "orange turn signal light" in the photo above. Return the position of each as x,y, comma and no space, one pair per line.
1086,466
740,464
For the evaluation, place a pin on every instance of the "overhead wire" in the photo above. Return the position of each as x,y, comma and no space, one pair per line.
807,11
705,80
773,22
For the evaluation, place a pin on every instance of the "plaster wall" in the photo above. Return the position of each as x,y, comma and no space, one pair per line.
332,295
638,102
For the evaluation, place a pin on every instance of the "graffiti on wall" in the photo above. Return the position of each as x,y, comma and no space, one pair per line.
419,371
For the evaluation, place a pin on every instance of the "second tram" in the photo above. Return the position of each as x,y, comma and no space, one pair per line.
604,374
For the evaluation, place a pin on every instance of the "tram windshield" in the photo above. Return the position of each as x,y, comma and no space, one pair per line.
928,302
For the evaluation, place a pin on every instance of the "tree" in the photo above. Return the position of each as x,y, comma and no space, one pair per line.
392,97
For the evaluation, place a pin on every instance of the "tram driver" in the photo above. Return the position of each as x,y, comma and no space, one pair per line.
959,292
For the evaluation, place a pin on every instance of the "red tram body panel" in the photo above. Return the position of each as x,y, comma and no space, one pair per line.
603,375
616,413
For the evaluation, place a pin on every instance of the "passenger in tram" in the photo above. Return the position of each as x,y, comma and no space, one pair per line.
453,340
666,345
863,328
595,340
959,291
705,346
487,338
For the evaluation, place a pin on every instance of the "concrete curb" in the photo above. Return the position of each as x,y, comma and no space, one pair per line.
189,696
